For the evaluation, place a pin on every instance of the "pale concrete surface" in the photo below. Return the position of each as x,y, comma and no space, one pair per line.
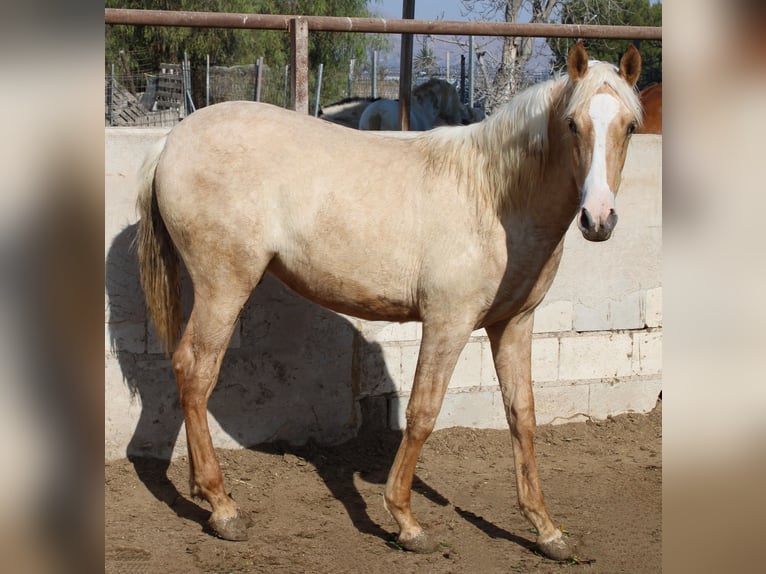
295,371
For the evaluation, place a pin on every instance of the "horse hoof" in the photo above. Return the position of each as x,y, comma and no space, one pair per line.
556,549
232,528
420,544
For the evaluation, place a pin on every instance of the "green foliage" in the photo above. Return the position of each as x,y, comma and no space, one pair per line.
229,47
424,61
622,13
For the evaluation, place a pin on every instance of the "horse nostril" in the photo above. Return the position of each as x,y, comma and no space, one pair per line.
611,220
585,219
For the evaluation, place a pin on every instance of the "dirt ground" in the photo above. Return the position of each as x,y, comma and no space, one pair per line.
320,509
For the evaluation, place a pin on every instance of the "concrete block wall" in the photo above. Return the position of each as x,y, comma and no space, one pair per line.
297,372
576,374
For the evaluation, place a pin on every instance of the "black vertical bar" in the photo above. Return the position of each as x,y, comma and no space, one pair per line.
405,69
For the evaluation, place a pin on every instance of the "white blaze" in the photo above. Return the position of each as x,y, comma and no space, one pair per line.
598,199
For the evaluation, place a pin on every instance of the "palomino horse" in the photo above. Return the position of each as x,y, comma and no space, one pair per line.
460,228
651,102
434,101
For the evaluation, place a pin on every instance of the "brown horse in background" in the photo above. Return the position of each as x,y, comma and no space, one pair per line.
651,102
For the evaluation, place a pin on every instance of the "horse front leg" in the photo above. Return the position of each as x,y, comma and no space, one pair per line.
196,363
511,343
436,361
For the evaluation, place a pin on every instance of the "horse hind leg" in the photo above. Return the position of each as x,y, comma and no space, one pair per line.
196,363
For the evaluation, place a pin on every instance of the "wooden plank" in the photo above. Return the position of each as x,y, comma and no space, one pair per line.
169,94
299,65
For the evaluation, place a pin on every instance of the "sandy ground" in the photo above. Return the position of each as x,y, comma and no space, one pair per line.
320,509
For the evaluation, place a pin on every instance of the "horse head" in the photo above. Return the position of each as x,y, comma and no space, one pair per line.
602,113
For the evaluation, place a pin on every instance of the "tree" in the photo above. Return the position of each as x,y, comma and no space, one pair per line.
619,13
425,61
516,51
156,44
511,67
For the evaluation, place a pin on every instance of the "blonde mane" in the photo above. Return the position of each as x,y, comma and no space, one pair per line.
503,152
502,160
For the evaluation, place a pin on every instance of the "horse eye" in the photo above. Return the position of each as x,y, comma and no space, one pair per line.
572,125
631,127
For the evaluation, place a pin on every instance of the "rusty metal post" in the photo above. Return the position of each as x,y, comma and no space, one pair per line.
299,65
405,69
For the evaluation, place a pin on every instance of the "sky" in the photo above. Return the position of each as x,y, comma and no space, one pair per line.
424,9
433,10
429,10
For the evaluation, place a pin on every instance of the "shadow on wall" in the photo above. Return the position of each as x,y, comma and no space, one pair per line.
291,376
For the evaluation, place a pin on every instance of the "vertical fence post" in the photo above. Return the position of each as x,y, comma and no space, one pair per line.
111,97
258,79
319,89
470,71
448,74
207,80
374,79
299,65
350,86
287,85
463,97
186,78
184,86
405,69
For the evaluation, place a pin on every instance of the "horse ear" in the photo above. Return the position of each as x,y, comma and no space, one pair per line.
577,61
630,65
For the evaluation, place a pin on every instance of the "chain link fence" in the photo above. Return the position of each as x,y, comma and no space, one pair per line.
165,97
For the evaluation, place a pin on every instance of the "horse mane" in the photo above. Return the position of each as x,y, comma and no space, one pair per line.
351,100
429,84
502,159
503,151
346,103
345,112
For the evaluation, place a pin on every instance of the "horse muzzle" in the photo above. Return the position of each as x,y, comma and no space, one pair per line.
596,228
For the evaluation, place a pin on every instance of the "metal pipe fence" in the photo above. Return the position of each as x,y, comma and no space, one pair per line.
377,25
293,82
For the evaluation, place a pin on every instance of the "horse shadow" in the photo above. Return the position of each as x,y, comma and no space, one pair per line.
269,398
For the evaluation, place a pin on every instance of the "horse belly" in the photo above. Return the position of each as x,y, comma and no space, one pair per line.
375,295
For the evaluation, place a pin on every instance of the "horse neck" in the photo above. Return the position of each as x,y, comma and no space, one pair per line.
537,181
425,106
513,164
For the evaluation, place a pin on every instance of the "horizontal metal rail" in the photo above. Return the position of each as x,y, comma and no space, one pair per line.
375,25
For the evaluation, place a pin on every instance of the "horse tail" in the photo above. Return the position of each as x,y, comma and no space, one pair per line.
158,263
